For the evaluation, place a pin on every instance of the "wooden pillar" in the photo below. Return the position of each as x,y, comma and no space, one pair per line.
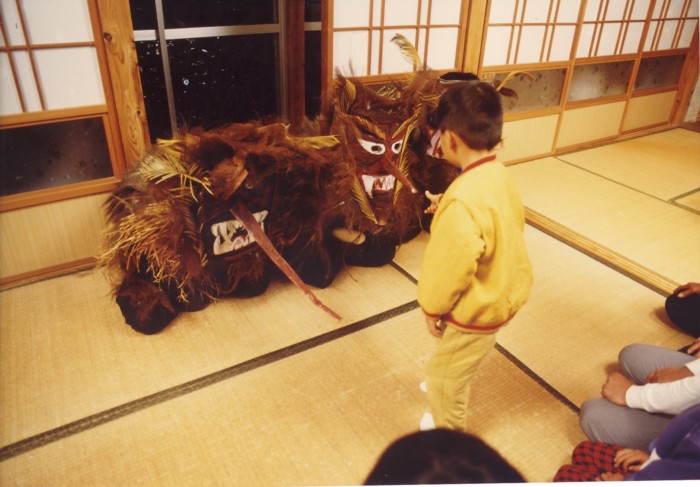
296,106
118,39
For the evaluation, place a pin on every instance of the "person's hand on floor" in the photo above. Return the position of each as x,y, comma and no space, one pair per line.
687,289
694,348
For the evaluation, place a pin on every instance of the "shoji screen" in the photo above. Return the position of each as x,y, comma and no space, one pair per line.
362,32
55,126
618,61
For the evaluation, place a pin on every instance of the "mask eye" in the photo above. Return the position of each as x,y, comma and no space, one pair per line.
372,147
396,146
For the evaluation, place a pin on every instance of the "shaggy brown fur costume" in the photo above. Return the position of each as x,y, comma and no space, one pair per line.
175,238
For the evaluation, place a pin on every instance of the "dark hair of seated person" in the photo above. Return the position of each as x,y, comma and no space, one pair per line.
441,456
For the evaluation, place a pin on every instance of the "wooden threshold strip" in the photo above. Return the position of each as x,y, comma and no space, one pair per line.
619,262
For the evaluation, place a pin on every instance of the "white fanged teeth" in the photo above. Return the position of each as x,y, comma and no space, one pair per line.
378,183
230,235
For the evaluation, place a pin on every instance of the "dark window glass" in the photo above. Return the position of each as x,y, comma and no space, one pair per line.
543,90
154,95
143,14
312,11
656,72
591,81
312,73
55,154
217,80
207,13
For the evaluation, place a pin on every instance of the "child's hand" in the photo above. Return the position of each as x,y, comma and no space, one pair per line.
630,460
434,324
434,201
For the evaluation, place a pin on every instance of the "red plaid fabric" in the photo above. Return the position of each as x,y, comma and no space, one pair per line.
588,461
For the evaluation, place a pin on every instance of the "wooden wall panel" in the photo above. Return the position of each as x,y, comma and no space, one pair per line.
588,124
49,236
528,138
645,111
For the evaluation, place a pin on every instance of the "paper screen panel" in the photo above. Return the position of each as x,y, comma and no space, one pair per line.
69,77
27,82
392,59
350,52
442,48
350,13
530,44
12,23
444,11
535,31
9,98
400,12
497,44
53,22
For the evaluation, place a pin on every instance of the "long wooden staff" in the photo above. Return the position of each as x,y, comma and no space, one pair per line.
243,214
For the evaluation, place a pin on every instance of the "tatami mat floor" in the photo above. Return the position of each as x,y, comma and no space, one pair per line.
272,391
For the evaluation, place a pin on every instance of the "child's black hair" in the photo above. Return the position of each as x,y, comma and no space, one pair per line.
472,110
441,456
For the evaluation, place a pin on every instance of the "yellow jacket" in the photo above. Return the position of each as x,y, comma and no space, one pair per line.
476,272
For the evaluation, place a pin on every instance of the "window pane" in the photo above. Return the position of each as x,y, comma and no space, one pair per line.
143,14
56,154
541,92
312,10
219,80
207,13
655,72
312,73
600,80
154,96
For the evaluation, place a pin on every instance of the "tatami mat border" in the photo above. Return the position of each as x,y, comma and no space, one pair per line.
609,258
131,407
674,201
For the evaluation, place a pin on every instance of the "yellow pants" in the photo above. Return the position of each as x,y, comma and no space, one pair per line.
450,372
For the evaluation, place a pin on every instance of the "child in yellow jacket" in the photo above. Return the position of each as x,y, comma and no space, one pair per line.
476,272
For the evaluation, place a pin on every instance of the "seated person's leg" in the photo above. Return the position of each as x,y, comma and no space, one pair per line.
685,313
604,421
639,360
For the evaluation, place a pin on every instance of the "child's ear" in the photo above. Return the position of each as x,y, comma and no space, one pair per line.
451,140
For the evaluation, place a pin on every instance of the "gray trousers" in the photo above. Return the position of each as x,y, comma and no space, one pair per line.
601,420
